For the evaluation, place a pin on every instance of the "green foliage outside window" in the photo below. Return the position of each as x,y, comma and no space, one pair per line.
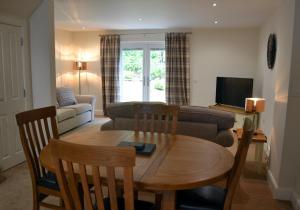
133,66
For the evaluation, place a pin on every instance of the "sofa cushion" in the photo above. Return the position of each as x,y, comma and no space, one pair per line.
80,108
124,109
65,96
224,120
199,130
64,114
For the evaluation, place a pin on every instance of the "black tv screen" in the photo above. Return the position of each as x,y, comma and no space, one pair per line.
233,91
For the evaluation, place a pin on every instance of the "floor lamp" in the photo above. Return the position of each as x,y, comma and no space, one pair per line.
80,66
256,106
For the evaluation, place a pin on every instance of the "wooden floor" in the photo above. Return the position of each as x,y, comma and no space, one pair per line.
253,193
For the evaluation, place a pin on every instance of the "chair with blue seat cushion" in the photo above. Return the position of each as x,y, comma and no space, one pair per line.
49,181
216,198
36,127
101,166
138,204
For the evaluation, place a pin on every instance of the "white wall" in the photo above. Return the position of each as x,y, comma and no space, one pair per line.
275,82
87,48
214,52
42,55
220,52
281,88
64,58
290,173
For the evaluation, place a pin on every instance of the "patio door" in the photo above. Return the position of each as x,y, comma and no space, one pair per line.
12,98
143,71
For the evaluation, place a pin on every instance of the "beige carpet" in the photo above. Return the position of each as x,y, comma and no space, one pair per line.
253,193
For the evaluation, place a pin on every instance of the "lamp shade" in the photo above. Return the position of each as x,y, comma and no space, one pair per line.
255,105
80,65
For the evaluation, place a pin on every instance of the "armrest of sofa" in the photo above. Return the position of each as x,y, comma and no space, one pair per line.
225,138
89,99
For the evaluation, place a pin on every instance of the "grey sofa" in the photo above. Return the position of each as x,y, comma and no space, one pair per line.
74,115
193,121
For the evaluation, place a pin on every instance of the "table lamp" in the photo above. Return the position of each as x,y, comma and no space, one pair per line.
80,66
256,106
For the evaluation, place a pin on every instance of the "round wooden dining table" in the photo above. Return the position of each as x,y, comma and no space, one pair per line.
179,162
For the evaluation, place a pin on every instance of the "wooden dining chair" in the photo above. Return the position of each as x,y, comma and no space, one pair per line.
158,118
36,127
216,198
82,164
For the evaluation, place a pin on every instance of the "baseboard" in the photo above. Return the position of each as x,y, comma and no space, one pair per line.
295,199
99,112
278,193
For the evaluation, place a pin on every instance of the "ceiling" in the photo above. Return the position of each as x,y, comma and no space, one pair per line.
160,14
17,8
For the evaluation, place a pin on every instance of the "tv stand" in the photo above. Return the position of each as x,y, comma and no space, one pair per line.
240,114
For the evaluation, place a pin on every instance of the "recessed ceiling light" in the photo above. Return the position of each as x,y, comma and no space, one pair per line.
140,19
216,21
214,4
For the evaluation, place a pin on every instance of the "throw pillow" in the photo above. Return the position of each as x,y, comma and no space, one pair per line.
65,96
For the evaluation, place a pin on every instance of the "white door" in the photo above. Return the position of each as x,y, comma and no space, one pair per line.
12,98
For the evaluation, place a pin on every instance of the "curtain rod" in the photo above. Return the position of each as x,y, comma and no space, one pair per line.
141,33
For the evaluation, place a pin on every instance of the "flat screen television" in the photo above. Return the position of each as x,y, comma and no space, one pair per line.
233,91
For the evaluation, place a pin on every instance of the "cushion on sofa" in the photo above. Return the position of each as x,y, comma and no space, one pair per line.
64,114
224,120
124,109
199,130
65,96
79,108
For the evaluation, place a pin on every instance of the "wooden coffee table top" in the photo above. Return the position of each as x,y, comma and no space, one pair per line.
179,162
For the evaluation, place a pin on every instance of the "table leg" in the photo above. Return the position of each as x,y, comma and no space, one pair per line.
259,149
168,201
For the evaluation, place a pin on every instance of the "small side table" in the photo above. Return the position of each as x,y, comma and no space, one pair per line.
259,138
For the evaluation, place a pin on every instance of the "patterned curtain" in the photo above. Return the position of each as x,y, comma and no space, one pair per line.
110,59
177,69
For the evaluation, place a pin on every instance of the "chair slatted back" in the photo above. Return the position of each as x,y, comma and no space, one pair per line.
36,128
159,118
239,162
81,164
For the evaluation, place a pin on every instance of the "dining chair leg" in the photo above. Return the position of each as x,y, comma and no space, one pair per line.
36,205
81,195
61,202
136,194
169,199
158,200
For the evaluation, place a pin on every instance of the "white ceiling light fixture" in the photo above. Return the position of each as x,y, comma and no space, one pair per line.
140,19
216,22
214,4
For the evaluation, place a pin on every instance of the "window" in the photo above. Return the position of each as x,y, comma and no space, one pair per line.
143,71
